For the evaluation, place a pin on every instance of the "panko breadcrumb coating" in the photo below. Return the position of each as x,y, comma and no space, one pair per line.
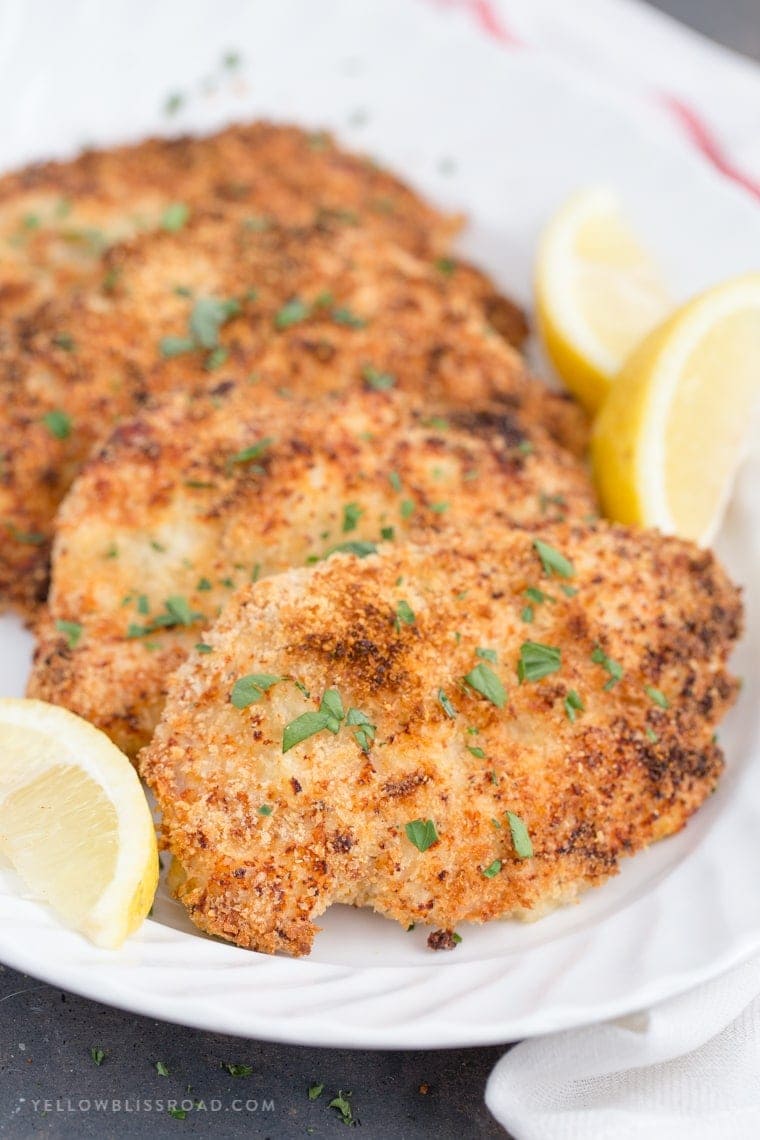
453,732
306,310
197,496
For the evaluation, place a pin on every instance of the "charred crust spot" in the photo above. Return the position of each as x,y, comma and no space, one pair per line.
407,784
295,785
442,940
342,843
492,423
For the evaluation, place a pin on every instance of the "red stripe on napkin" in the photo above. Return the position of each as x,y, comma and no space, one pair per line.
490,21
703,138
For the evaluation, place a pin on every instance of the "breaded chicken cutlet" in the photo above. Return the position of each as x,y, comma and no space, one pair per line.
57,218
196,497
307,310
445,733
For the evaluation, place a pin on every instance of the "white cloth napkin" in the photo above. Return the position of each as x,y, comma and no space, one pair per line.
688,1069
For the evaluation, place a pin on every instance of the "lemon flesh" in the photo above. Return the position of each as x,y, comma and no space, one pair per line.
598,292
671,433
74,821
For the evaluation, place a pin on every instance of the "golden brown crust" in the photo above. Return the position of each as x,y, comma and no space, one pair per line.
95,354
56,218
164,509
624,772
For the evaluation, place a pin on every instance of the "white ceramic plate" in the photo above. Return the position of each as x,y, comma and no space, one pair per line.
504,136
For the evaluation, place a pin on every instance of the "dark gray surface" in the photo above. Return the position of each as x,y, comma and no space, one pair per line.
46,1035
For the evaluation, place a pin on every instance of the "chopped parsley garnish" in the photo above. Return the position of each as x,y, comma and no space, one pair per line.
360,548
652,735
341,1104
404,613
573,705
526,447
615,670
484,681
537,661
203,584
478,752
657,696
406,510
328,717
421,833
265,809
173,103
315,1091
395,481
202,647
439,508
170,346
207,317
491,871
174,217
65,341
378,381
255,451
291,313
30,537
446,704
58,424
352,512
569,591
237,1070
487,654
552,561
538,596
440,423
526,613
520,838
216,358
250,689
162,1069
98,1055
387,533
178,612
343,316
445,265
304,726
365,729
71,630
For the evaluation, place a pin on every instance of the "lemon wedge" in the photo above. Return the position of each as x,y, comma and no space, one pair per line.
598,292
670,435
74,821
